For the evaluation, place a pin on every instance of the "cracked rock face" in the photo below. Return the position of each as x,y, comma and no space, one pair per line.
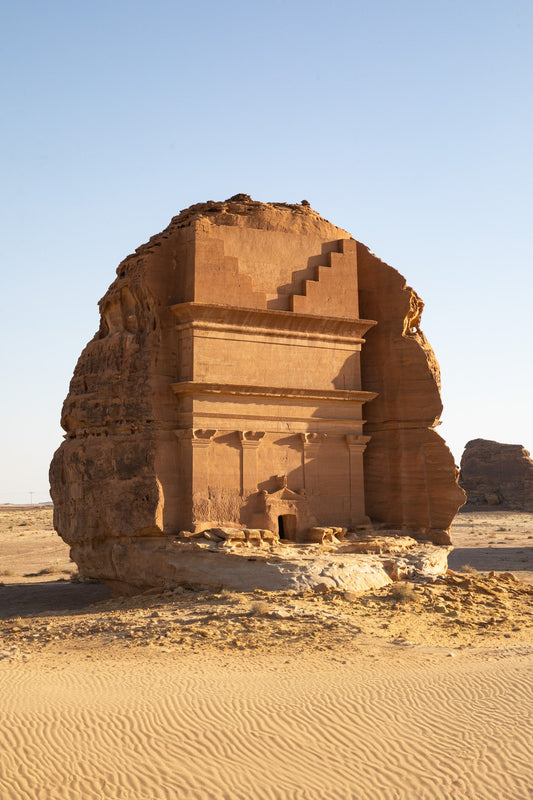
255,369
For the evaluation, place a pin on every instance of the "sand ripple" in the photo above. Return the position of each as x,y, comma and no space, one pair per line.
244,727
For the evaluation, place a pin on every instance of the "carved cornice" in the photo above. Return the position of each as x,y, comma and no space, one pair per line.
269,322
279,393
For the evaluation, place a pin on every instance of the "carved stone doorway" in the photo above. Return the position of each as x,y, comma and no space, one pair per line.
287,526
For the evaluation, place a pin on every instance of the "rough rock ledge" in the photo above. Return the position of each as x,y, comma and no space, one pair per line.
244,560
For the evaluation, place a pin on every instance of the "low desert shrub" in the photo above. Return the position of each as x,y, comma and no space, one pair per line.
259,608
468,570
47,571
403,592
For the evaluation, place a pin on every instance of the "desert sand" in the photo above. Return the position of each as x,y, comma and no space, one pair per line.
406,692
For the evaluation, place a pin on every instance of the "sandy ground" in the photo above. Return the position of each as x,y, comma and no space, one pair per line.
414,691
495,540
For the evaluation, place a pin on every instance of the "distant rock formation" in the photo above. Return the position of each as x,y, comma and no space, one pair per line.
495,474
229,385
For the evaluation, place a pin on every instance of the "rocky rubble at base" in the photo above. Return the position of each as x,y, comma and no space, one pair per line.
453,610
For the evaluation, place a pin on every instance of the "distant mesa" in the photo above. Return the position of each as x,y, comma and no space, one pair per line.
256,370
496,474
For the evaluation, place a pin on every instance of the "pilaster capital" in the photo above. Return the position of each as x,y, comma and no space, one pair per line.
356,442
309,438
250,438
197,436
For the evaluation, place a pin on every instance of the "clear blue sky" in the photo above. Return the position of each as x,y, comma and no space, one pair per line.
407,122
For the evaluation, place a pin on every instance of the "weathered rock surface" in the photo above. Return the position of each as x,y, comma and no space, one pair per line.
497,474
410,474
242,563
225,389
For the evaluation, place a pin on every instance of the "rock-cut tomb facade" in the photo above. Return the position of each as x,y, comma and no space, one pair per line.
255,368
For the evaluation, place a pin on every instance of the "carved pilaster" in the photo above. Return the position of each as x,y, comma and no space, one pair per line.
197,441
311,445
356,448
250,441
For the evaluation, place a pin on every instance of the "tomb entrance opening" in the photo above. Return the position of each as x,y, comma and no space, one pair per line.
287,526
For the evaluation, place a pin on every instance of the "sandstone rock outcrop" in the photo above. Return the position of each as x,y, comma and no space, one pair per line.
228,387
410,475
496,474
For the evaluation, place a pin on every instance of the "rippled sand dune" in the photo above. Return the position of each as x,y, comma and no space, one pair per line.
399,723
418,695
